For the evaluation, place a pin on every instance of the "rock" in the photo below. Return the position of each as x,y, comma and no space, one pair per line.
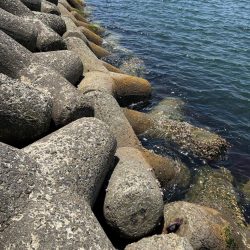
130,88
214,188
68,103
34,5
89,60
65,62
91,35
246,190
76,157
97,81
25,112
34,214
75,33
169,108
48,7
98,50
17,182
161,242
106,108
53,21
79,15
53,1
172,174
47,39
20,30
133,203
204,227
112,68
197,141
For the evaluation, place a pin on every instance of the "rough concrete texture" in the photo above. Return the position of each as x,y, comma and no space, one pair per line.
25,112
108,110
53,21
169,172
17,181
197,141
91,35
111,68
68,103
36,215
214,188
96,80
74,33
131,87
20,30
133,203
48,7
89,60
16,7
204,227
34,5
98,50
65,62
47,39
76,157
161,242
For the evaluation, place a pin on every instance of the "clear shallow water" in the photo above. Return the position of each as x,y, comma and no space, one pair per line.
198,51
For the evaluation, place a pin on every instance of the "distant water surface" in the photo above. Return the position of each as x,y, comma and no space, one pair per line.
198,51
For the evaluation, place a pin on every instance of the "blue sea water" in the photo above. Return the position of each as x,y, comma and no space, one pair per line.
196,50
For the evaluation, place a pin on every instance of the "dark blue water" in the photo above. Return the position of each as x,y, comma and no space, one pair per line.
198,51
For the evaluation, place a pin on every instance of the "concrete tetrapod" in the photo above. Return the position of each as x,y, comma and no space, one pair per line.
48,7
214,188
133,203
197,141
34,5
65,62
204,227
124,87
37,214
53,21
25,112
76,157
161,242
68,102
47,39
106,108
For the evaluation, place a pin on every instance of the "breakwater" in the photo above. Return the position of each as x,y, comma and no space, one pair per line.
69,146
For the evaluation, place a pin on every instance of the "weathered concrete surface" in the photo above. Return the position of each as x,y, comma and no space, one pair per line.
53,21
37,215
48,7
68,102
17,182
65,62
197,141
133,203
161,242
214,188
106,108
20,30
34,5
25,112
76,157
89,60
97,81
47,39
204,227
